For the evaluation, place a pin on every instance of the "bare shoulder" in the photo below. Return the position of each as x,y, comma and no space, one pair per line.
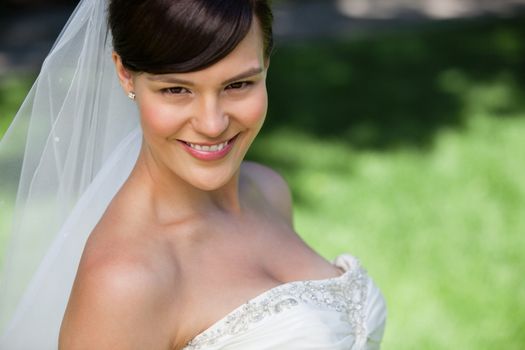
117,302
273,186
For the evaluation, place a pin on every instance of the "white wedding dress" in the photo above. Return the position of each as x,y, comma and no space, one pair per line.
341,313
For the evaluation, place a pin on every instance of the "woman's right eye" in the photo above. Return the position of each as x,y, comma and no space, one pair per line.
175,90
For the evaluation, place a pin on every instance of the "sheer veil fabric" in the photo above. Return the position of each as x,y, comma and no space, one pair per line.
70,147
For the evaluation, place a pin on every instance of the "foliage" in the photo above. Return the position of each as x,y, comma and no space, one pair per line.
406,150
13,89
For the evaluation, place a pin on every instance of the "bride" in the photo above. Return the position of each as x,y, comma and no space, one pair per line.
149,229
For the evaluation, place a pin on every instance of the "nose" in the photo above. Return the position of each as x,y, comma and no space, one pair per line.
210,119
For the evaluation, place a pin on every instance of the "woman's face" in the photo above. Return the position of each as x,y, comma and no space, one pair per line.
199,125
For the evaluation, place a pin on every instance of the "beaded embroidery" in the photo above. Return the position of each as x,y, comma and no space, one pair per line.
345,294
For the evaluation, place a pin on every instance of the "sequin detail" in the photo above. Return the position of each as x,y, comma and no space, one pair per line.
345,294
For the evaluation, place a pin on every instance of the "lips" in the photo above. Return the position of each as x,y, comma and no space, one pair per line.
209,151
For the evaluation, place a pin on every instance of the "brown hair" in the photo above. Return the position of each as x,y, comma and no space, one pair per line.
179,36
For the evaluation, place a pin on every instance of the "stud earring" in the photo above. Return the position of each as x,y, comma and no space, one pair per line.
132,95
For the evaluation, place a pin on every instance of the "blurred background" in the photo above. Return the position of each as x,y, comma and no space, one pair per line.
400,127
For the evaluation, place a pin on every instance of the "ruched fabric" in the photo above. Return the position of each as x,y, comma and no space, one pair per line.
342,313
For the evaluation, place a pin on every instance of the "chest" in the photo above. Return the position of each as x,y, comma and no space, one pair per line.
237,263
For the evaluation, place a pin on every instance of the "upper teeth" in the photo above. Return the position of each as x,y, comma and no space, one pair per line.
214,148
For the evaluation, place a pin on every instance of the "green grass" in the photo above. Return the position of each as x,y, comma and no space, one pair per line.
13,89
441,231
406,149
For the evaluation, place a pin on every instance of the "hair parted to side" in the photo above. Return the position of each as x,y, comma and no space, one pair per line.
180,36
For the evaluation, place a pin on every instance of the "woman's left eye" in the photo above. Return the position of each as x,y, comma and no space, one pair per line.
239,85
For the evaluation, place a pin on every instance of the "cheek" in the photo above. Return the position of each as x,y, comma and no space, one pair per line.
255,108
158,119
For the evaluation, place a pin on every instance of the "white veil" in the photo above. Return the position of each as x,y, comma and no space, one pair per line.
70,147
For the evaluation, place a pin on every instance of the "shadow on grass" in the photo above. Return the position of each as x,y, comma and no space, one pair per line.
387,91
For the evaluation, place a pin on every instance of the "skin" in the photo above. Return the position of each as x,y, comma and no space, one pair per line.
186,241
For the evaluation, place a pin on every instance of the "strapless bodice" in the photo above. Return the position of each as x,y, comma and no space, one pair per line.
345,312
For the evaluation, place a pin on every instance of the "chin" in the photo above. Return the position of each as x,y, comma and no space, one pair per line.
208,186
210,180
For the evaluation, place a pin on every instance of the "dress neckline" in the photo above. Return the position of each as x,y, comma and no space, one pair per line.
345,262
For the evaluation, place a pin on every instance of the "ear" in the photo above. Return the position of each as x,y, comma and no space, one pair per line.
124,75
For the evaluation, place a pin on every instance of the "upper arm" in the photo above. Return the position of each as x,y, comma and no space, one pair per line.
274,188
114,307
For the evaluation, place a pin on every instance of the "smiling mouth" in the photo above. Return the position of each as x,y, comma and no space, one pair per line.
210,147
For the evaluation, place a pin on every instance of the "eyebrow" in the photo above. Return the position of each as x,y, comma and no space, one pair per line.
170,78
